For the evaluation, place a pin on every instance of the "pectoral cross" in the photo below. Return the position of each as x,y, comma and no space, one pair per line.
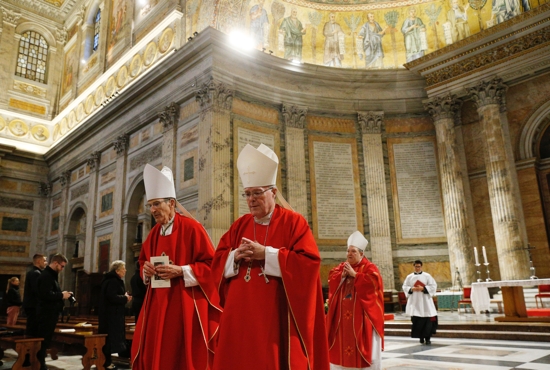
264,274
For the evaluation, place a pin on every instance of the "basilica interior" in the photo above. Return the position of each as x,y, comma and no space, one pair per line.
422,124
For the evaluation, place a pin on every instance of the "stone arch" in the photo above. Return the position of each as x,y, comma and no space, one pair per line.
30,26
88,27
74,243
532,130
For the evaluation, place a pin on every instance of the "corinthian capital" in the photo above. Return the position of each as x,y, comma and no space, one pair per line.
65,178
93,161
490,92
80,14
61,35
44,189
444,107
294,116
169,116
371,122
10,17
121,144
215,95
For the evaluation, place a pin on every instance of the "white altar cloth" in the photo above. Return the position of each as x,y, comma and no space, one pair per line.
480,294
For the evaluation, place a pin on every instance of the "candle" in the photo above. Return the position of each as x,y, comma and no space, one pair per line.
475,255
484,255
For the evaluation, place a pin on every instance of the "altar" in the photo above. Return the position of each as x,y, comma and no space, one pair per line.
448,300
512,297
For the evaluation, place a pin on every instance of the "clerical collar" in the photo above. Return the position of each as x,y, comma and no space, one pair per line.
164,228
418,273
264,220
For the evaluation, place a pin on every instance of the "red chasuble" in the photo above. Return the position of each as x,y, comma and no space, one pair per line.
177,325
356,308
279,324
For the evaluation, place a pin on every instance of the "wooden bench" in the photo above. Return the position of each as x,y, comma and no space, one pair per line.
92,343
26,348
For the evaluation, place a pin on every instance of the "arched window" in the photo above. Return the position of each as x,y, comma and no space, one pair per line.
97,22
32,57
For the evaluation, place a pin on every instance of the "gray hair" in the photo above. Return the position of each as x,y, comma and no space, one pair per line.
117,264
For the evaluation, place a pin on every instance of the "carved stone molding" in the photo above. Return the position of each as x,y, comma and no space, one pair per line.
294,116
489,92
371,122
214,95
65,178
443,107
121,144
80,14
44,189
61,35
93,161
10,17
169,116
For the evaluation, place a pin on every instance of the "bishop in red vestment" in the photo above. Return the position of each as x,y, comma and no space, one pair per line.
267,268
355,320
177,325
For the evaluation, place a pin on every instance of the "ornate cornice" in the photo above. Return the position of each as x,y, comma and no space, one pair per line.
93,161
65,178
371,122
47,9
80,14
214,95
444,107
44,189
10,17
294,116
490,92
121,144
169,116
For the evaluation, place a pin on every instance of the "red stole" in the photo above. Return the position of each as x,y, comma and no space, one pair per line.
356,308
177,325
281,323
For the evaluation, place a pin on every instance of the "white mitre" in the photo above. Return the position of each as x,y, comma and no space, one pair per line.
358,241
158,184
257,167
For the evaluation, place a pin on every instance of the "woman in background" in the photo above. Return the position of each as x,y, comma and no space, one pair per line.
13,299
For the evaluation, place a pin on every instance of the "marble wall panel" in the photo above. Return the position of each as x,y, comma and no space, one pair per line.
8,185
15,224
107,177
145,156
188,169
440,271
191,109
330,124
413,124
14,248
56,201
29,188
189,136
16,203
104,209
79,191
534,220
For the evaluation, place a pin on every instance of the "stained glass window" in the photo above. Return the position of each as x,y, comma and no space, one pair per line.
97,22
32,59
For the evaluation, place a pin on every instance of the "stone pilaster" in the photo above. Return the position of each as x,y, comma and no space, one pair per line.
89,247
294,119
215,172
371,124
169,119
458,209
8,43
506,208
65,180
121,147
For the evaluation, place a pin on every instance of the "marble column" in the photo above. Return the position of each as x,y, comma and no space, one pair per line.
42,208
457,199
65,180
119,199
215,171
8,43
377,196
506,208
294,119
89,243
169,119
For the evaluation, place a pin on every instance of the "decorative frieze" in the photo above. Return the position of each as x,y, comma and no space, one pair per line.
17,203
489,92
444,107
371,122
294,116
79,191
93,161
146,156
121,144
216,95
169,116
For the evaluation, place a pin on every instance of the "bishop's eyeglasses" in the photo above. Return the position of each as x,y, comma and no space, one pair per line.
255,194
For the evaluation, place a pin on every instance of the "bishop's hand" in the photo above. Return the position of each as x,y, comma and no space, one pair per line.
258,250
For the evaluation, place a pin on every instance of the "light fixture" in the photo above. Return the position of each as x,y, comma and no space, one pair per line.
270,52
189,38
195,33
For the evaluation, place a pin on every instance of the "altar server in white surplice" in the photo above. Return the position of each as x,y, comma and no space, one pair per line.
419,288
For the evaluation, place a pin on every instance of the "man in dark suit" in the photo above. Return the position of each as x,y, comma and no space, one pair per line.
50,303
30,299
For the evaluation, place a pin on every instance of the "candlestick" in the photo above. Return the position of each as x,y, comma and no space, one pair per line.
485,256
478,273
476,257
488,277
